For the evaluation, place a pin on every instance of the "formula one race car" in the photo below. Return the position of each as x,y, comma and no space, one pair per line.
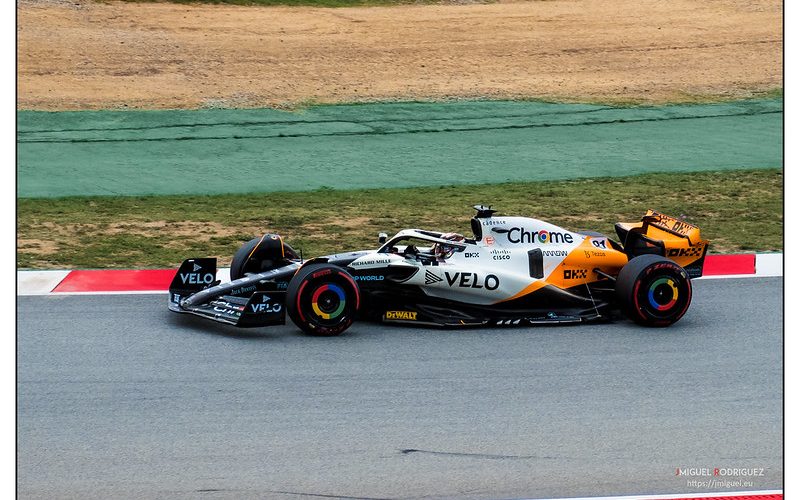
513,271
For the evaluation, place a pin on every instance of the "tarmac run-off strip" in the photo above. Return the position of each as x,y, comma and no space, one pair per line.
158,280
383,145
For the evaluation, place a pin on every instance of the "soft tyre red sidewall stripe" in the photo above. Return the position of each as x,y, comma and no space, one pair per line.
299,295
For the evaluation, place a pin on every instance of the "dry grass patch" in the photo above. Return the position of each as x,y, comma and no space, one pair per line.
739,211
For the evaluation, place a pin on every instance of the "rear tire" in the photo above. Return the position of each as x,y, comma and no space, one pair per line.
653,290
322,299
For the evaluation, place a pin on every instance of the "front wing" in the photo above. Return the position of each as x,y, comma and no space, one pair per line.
253,301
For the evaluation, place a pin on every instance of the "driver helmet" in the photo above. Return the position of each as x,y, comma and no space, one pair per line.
444,251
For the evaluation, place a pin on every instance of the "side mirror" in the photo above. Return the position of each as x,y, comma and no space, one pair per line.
382,238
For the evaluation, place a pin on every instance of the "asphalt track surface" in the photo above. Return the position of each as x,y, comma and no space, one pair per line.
118,398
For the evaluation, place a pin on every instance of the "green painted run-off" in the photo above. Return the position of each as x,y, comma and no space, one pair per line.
382,145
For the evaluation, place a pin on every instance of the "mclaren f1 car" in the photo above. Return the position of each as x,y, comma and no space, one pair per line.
511,271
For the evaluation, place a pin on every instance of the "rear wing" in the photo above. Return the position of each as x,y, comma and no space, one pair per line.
667,236
673,226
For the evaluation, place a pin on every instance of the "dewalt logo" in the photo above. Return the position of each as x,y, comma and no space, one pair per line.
405,315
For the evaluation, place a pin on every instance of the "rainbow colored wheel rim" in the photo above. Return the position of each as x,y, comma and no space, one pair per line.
663,294
320,310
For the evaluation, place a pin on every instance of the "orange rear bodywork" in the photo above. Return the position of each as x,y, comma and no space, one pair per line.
656,233
680,241
580,265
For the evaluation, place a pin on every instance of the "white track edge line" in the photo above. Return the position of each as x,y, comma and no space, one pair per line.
726,276
678,495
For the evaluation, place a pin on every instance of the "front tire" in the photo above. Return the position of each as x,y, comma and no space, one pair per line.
243,262
322,299
260,255
653,290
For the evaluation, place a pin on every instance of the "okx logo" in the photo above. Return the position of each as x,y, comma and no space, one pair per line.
695,251
574,274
